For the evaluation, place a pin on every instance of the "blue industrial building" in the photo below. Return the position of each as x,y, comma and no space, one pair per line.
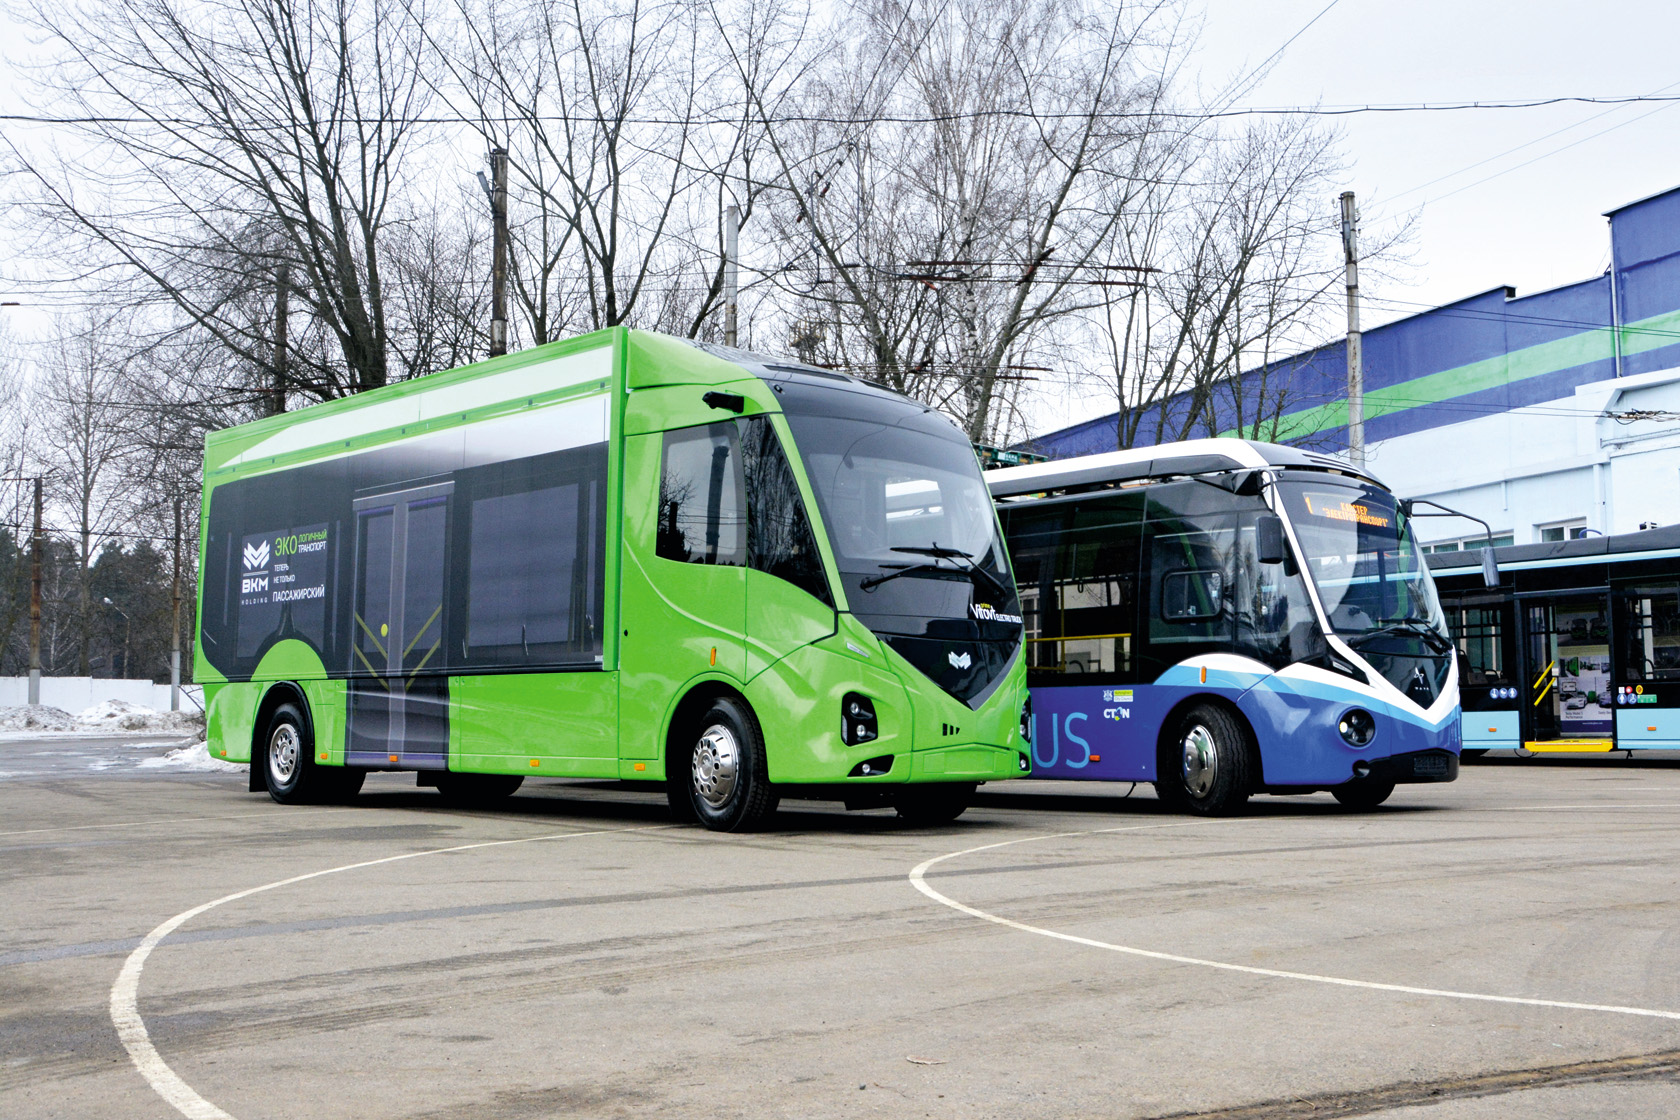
1487,354
1548,416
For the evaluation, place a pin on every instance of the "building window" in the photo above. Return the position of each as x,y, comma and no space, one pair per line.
1471,544
1561,531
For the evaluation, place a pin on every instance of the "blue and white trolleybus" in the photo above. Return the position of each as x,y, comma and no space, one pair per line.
1224,618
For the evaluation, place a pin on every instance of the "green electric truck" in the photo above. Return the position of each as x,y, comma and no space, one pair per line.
620,556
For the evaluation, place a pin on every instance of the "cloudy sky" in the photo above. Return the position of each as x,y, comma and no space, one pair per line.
1512,196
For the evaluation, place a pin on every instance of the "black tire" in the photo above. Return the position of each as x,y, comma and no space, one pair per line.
724,771
288,759
343,783
933,804
1362,793
1212,759
677,795
1473,752
477,789
1170,794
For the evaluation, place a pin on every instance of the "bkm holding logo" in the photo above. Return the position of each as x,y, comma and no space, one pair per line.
255,557
959,660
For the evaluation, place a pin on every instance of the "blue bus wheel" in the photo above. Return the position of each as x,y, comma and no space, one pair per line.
1212,761
1363,793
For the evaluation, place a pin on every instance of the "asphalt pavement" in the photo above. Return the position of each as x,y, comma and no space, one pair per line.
175,946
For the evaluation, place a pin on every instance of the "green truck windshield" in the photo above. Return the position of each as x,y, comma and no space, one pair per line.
913,532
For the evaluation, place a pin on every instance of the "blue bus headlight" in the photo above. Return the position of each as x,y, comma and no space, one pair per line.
1358,727
857,719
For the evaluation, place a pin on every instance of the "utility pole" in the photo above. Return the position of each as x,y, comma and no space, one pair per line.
35,603
731,271
282,308
499,251
1355,354
175,630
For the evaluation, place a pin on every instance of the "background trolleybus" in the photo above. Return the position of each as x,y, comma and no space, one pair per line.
622,556
1221,618
1577,649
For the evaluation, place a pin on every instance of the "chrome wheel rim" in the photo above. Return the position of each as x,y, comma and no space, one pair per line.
1201,761
717,765
285,750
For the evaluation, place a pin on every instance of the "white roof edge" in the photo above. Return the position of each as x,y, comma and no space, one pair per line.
1238,449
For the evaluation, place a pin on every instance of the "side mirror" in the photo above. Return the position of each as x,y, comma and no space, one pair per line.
1490,567
1269,545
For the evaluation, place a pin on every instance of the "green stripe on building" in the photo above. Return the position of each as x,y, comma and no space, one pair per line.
1490,373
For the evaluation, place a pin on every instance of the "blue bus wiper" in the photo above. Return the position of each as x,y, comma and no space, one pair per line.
966,562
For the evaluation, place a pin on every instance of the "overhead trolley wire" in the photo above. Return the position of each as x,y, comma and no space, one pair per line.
733,119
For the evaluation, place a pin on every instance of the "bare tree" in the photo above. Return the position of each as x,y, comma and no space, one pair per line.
1240,272
947,179
85,435
225,142
626,139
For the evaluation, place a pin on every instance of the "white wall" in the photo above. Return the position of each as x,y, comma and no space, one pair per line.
77,694
1560,461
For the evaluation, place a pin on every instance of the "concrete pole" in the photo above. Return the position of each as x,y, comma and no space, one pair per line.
282,309
175,631
35,603
1355,352
731,271
499,251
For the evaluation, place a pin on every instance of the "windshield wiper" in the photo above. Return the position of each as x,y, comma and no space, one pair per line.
905,570
1416,627
967,562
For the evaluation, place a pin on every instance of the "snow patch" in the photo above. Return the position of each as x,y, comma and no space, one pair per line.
195,757
37,718
109,715
120,715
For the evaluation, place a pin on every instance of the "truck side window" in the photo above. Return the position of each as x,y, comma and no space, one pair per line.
780,541
702,500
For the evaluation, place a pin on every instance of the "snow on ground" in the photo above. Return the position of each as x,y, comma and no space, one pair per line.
38,718
196,757
120,715
109,715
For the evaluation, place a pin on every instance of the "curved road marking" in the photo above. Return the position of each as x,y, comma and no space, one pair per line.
918,880
125,993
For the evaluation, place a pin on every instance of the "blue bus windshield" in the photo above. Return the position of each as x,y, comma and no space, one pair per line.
1361,555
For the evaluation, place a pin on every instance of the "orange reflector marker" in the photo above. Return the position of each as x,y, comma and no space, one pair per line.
224,754
1650,729
641,766
323,755
393,758
1493,731
1204,674
1096,758
714,655
535,762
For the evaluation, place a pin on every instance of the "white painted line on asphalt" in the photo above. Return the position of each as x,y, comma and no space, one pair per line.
125,993
919,881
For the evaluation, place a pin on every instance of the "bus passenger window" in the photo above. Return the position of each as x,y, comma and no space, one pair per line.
1649,627
702,504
